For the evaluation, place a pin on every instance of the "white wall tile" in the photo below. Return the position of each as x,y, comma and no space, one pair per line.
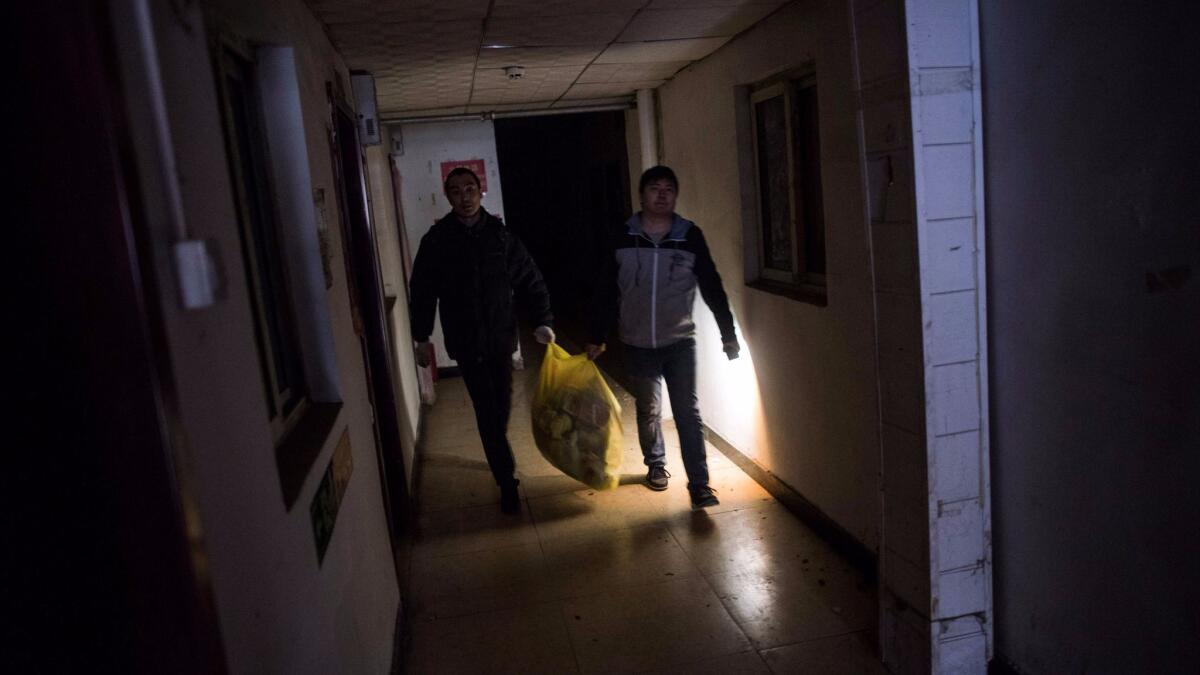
946,106
949,181
961,591
959,528
939,31
955,399
951,323
963,656
956,466
949,256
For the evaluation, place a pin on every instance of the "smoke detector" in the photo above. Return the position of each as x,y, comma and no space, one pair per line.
514,72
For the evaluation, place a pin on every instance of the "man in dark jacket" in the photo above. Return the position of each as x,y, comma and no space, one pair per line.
471,265
649,280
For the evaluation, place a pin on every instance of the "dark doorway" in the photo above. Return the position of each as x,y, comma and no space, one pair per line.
368,305
566,183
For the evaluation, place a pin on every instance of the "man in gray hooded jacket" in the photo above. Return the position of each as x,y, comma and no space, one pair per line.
650,274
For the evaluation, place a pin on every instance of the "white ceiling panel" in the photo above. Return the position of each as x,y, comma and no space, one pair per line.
523,9
538,57
692,4
496,78
566,30
599,73
590,91
432,54
369,11
674,24
666,50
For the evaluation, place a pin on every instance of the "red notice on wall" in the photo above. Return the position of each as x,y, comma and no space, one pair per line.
475,165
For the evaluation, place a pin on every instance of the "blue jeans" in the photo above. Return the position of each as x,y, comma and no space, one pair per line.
646,369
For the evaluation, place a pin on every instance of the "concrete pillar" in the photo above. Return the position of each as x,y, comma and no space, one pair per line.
647,127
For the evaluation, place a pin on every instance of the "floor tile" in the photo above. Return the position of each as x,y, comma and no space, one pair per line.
621,581
780,604
851,654
467,530
587,511
518,641
601,562
744,663
479,581
646,627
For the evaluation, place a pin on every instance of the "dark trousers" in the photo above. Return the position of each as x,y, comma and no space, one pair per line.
489,382
646,369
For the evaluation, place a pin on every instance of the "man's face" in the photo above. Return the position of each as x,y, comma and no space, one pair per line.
658,198
463,194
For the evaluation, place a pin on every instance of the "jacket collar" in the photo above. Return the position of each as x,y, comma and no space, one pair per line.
678,231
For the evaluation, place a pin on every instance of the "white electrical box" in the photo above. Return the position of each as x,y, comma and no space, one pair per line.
363,85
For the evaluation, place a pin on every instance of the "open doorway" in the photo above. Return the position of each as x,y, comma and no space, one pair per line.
566,183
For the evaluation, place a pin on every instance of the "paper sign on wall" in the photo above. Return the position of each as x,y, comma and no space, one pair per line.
475,165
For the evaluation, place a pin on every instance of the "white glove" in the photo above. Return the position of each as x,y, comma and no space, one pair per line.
544,334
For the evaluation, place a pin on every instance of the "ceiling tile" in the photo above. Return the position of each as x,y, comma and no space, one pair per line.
574,30
496,78
351,11
630,72
666,50
674,24
534,57
523,9
545,92
693,4
579,91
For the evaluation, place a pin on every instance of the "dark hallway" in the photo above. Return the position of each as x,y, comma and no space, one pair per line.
566,185
958,249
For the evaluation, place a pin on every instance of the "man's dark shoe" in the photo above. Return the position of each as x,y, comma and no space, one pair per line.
656,478
510,499
703,497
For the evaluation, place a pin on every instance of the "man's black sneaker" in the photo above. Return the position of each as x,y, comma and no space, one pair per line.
510,499
703,497
656,478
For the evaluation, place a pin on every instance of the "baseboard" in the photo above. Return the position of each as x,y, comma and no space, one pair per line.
845,543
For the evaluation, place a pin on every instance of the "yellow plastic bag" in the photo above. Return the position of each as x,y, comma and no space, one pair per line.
577,420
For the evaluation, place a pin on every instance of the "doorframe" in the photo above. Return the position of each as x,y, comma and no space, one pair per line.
368,306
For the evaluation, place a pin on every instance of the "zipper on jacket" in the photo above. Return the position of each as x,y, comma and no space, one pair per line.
654,301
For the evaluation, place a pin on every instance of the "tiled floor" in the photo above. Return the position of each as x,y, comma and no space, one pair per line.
627,581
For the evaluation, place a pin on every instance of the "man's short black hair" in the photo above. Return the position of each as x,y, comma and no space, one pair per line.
460,171
659,172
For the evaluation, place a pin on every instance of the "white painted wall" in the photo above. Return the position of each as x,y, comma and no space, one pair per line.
802,401
279,611
1092,185
426,146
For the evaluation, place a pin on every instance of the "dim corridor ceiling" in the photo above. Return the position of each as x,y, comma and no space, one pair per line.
432,57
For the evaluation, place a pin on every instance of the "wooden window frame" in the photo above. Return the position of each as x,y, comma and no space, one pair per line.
802,282
286,405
